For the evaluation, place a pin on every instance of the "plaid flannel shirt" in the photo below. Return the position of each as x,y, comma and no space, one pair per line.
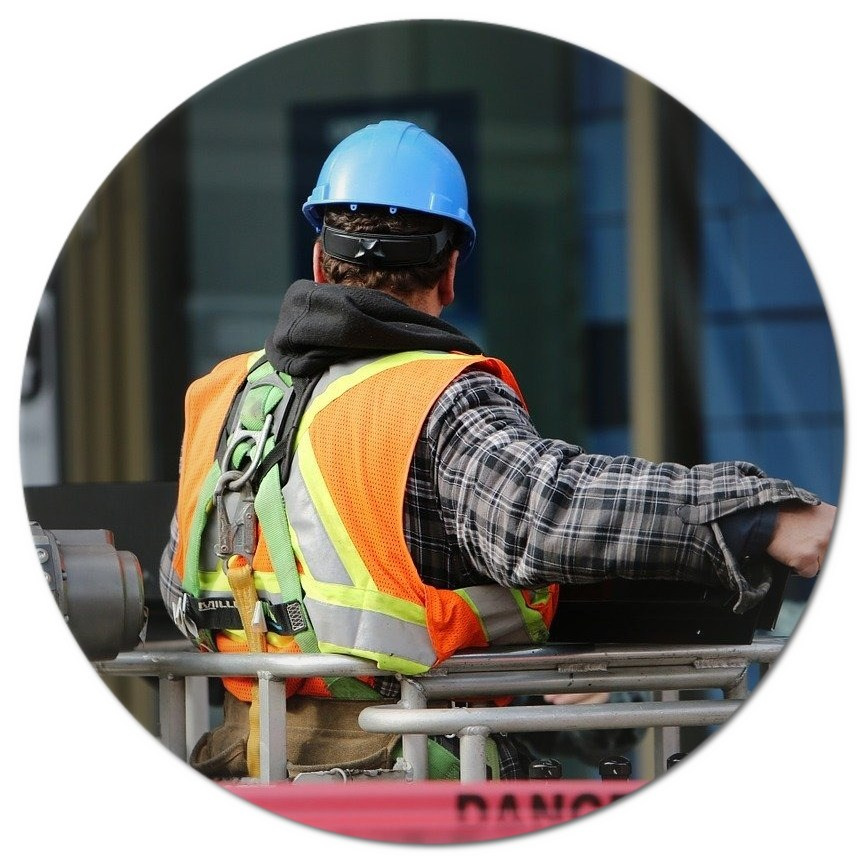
488,498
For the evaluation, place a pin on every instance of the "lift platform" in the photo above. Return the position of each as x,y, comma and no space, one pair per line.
680,644
472,808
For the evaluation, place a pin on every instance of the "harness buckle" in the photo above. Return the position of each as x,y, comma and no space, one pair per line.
237,533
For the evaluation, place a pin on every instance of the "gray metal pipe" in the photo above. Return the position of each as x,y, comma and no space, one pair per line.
459,686
559,657
273,730
283,665
414,746
534,670
471,753
390,718
172,715
197,710
761,649
668,740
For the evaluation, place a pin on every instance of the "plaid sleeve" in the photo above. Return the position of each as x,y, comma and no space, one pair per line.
527,511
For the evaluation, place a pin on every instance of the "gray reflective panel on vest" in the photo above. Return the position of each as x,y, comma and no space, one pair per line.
265,595
341,369
320,555
216,594
500,614
370,631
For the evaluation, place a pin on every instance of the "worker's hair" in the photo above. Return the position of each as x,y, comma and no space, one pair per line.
401,280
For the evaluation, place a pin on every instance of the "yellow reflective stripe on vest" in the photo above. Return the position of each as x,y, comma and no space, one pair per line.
499,613
318,521
322,526
362,599
532,617
214,584
383,660
365,369
339,589
340,614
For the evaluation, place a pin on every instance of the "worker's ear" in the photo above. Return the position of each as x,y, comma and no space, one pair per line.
316,264
446,285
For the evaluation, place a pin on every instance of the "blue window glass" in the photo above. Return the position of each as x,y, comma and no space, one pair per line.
770,376
604,270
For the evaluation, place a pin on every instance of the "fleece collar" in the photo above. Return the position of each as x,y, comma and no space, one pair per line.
321,324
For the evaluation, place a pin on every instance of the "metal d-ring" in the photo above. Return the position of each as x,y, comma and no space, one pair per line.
235,479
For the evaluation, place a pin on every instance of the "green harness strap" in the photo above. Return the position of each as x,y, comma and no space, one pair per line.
191,579
443,765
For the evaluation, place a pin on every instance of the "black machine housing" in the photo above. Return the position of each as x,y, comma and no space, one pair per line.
665,612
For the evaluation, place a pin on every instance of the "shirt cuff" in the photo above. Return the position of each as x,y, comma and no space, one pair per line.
748,532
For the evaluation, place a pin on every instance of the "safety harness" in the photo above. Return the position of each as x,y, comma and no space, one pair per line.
239,492
243,490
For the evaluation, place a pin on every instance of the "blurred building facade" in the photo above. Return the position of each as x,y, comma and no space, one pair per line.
643,285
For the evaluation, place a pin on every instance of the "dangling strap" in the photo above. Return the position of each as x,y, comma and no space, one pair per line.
241,580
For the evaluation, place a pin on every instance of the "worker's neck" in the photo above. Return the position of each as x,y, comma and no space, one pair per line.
426,301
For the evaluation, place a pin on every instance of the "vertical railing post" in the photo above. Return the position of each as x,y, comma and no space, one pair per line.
667,740
273,729
472,754
414,745
739,690
197,697
172,714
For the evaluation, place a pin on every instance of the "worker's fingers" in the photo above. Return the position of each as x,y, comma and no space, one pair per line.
580,697
801,537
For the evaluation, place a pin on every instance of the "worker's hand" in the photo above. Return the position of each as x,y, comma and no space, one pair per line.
801,537
582,697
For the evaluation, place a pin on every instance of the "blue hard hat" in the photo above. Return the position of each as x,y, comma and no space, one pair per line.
399,165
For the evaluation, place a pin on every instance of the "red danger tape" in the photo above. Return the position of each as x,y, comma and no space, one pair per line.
434,812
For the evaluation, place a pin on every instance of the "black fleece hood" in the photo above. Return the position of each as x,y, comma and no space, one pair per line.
321,324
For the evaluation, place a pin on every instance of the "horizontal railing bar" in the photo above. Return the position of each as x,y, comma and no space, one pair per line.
393,718
763,649
236,664
558,682
557,657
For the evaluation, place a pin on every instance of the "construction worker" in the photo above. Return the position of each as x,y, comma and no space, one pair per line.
370,483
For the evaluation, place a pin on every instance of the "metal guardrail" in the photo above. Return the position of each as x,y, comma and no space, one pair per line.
663,670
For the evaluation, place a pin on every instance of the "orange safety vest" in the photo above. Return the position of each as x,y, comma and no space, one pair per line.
344,503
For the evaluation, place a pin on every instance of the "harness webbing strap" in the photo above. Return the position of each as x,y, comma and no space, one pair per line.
241,580
191,580
283,618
